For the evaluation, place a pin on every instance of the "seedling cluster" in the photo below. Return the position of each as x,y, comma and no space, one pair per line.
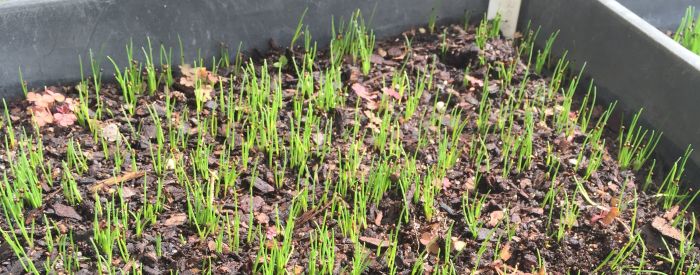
367,157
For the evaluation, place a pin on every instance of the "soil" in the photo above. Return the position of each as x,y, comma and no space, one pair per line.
516,198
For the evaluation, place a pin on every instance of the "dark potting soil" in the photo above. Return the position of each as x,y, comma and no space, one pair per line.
521,229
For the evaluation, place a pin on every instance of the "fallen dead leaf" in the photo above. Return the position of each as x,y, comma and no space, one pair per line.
494,218
378,218
391,92
362,92
66,211
375,242
671,213
262,218
666,229
430,241
298,270
176,219
40,100
475,81
271,232
57,97
612,213
505,253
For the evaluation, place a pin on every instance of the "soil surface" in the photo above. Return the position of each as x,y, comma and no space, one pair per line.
516,231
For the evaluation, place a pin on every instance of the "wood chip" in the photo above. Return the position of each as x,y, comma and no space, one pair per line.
116,180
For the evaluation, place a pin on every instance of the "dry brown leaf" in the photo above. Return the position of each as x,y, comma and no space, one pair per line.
505,253
298,270
41,115
430,241
190,76
666,229
494,218
671,213
176,219
391,92
475,81
58,97
378,218
262,218
374,241
362,92
66,211
204,92
116,180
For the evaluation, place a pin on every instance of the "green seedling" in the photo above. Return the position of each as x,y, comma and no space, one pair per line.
544,55
670,187
635,145
23,83
297,31
471,209
568,215
432,19
70,186
151,75
688,32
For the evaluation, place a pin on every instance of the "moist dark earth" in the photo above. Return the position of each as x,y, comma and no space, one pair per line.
516,230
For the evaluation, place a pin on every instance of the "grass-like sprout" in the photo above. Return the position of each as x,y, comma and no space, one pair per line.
568,215
544,55
298,30
688,32
670,187
432,19
635,146
330,95
354,39
617,257
70,186
151,75
106,231
471,208
484,107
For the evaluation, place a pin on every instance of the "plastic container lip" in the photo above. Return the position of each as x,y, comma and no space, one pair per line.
652,31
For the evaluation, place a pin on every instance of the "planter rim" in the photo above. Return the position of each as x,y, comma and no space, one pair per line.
654,33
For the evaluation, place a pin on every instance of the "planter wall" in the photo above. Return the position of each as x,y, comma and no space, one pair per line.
665,15
630,60
45,37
